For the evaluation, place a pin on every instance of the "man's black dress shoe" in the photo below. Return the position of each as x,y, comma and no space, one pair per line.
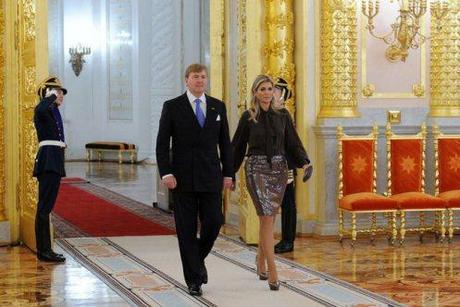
284,247
204,274
49,257
57,254
195,290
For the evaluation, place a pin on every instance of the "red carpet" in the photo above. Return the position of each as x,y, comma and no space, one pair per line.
99,217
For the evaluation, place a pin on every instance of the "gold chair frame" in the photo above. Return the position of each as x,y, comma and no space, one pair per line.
390,215
439,213
437,135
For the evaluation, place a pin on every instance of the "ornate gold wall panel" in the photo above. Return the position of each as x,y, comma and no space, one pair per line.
445,63
32,67
279,44
217,44
338,61
249,66
2,111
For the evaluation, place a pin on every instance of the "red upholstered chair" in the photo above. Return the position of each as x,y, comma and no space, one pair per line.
406,181
357,191
447,155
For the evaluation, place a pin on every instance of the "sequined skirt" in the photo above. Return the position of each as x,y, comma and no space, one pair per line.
266,183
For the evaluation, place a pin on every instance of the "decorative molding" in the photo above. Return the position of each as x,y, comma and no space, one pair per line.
242,65
279,46
368,90
29,19
445,50
418,90
2,112
392,95
338,62
120,47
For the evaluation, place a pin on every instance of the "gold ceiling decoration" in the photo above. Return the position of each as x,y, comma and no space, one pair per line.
406,31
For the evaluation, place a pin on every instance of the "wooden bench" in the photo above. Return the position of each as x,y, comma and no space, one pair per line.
122,148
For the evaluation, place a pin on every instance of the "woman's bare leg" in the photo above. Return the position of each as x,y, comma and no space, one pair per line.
260,251
266,237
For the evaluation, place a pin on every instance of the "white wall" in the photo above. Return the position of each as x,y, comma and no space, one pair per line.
165,39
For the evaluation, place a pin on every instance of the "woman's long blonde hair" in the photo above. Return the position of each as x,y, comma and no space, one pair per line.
255,106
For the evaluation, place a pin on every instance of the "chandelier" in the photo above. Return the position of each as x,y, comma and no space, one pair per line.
405,32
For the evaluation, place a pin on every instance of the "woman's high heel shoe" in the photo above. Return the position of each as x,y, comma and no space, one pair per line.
274,285
262,275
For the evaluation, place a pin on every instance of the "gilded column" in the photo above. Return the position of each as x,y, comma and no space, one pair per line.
249,66
217,43
339,51
2,111
279,46
445,61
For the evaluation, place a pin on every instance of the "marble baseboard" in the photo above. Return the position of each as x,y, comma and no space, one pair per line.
5,236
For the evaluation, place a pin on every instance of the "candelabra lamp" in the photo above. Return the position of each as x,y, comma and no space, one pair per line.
77,60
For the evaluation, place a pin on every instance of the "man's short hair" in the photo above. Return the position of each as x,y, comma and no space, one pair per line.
195,68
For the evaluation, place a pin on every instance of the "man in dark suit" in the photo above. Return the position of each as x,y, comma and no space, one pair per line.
200,167
49,163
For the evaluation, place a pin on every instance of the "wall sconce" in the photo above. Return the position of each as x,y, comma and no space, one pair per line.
76,57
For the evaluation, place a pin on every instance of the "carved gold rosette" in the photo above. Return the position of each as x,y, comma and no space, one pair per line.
339,51
445,60
2,111
279,44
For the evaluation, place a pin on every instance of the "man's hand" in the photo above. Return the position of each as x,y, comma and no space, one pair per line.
227,184
170,182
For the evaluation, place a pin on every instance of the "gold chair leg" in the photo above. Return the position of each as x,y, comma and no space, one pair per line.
443,226
421,221
402,230
340,226
373,226
394,231
99,155
120,157
451,224
353,229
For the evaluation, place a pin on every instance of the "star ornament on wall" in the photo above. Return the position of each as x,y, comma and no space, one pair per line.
454,163
408,164
359,164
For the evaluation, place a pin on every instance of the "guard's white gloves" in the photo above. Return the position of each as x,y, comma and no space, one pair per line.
51,91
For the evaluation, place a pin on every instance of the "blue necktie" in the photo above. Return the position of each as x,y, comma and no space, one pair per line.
199,113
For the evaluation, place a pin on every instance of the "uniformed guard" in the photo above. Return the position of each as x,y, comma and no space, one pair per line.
288,206
49,163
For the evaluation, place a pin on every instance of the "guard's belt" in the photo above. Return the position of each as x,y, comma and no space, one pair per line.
51,143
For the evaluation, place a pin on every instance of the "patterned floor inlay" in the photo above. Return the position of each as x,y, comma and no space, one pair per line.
322,287
141,281
137,283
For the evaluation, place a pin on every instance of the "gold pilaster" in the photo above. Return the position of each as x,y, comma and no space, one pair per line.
279,44
249,66
33,67
444,76
217,43
2,111
339,71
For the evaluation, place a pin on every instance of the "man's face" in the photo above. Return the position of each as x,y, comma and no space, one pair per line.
196,82
279,101
60,97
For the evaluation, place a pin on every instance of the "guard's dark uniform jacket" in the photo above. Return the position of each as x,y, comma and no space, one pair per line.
49,158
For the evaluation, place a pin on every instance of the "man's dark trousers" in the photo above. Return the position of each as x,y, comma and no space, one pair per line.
288,214
48,188
193,250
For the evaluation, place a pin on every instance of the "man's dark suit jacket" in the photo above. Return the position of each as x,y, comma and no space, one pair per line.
49,158
195,160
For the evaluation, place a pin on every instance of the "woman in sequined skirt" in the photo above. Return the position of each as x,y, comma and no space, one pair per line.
264,135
